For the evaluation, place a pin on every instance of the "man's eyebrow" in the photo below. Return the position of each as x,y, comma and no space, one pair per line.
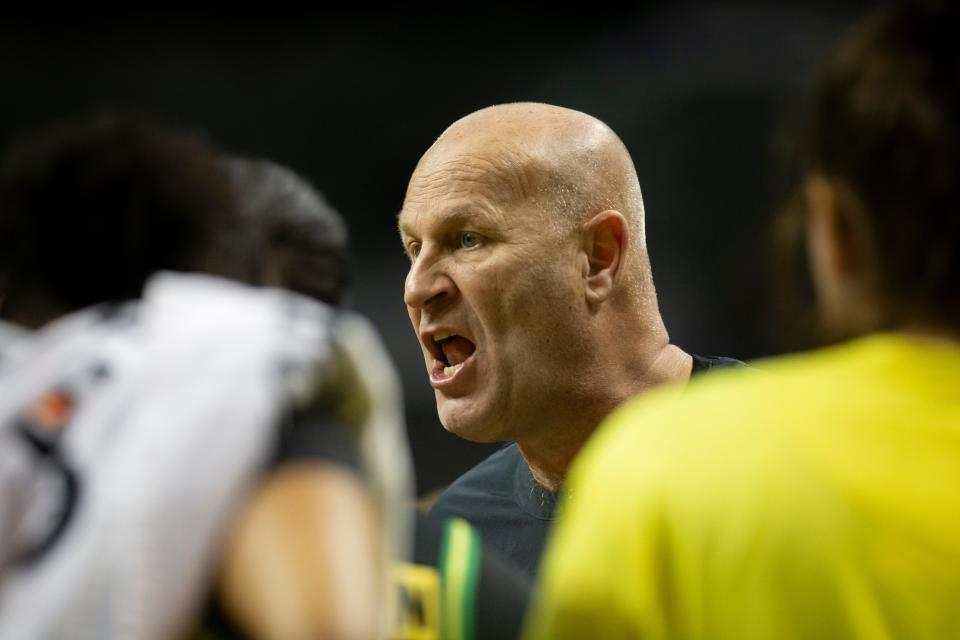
455,216
403,226
459,215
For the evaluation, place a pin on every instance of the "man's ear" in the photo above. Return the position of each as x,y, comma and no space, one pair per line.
827,240
605,239
840,250
838,234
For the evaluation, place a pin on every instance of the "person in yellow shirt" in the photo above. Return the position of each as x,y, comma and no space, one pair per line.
819,497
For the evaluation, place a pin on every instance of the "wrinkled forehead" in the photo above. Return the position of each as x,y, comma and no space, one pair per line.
479,168
493,184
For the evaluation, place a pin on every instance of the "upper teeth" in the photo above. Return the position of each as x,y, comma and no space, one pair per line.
441,335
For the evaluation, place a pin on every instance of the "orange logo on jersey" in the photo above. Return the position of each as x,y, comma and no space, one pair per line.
51,411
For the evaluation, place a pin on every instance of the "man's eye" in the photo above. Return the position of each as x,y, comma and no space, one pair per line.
469,240
413,249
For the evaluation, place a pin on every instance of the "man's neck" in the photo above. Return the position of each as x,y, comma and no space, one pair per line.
550,454
548,464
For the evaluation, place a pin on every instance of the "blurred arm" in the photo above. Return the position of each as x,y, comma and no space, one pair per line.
303,559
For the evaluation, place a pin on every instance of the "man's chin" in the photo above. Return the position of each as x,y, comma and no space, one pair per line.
474,430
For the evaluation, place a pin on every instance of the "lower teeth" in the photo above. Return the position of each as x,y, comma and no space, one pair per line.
449,371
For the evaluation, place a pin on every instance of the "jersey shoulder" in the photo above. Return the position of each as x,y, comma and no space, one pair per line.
490,480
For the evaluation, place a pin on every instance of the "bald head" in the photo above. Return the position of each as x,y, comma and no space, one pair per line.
524,228
569,163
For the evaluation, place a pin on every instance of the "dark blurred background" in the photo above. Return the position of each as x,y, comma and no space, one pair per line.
703,94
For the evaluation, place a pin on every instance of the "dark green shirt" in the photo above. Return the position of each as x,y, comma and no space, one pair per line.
507,506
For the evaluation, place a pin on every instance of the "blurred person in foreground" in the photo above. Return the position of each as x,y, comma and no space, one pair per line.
452,586
530,290
210,437
818,500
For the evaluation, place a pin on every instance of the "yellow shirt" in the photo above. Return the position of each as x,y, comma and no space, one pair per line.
819,498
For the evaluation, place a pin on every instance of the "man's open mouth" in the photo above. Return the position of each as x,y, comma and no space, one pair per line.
450,351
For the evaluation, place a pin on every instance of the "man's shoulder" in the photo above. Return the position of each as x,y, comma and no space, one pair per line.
721,425
492,474
491,479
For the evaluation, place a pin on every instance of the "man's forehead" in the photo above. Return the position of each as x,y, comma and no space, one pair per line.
461,183
489,174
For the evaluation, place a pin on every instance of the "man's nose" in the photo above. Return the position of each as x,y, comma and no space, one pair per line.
427,283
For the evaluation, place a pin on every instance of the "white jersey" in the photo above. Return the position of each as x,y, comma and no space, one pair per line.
10,338
128,437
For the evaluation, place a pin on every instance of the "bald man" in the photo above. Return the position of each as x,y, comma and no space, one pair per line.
531,294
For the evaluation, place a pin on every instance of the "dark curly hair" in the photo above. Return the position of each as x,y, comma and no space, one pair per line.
91,207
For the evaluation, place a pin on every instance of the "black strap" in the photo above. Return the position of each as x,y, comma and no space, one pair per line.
47,451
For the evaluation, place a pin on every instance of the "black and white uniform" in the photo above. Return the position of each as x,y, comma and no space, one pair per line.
129,434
